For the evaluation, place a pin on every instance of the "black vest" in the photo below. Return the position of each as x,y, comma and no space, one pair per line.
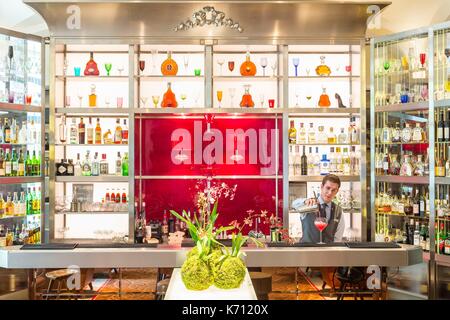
310,232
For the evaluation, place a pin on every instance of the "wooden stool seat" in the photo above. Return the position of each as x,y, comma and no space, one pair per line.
58,276
262,283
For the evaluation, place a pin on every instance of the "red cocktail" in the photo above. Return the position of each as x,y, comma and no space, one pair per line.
320,223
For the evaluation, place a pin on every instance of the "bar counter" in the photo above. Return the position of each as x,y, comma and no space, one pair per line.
13,257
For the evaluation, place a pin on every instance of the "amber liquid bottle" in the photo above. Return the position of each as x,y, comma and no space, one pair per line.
169,100
92,97
169,67
81,132
247,98
248,68
324,100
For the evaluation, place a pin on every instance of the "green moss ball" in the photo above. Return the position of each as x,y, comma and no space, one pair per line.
196,274
230,273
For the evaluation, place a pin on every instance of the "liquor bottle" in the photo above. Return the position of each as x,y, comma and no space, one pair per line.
317,162
417,134
125,165
339,161
354,131
323,70
302,134
386,134
16,205
416,237
107,137
171,224
23,133
36,163
63,130
419,166
409,209
91,67
35,206
426,164
441,239
310,162
292,133
447,244
7,133
29,201
13,131
331,136
118,133
33,132
92,97
169,100
440,167
9,207
104,166
247,100
2,206
354,161
28,165
124,132
378,162
291,161
324,165
21,165
333,161
394,168
117,196
118,165
297,162
342,137
406,133
86,169
447,128
346,162
14,164
23,204
124,200
304,163
386,163
165,225
81,132
416,203
2,164
98,133
406,168
2,132
90,132
8,164
311,134
108,197
447,164
396,133
440,128
169,67
322,136
95,165
113,196
70,168
248,68
324,100
77,171
74,132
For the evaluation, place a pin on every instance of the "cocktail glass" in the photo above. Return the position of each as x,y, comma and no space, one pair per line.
108,67
261,100
154,55
297,95
143,101
320,223
80,97
308,70
219,97
220,62
296,62
155,100
263,63
197,72
386,65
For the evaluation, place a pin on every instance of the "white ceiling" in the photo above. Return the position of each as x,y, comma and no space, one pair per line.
401,15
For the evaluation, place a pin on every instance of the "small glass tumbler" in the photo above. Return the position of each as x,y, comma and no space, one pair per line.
77,71
271,103
119,102
197,72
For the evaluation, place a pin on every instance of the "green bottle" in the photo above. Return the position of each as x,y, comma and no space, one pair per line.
14,164
28,165
21,164
29,200
35,165
125,165
7,164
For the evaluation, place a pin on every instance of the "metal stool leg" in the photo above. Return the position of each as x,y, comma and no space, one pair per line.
48,289
59,290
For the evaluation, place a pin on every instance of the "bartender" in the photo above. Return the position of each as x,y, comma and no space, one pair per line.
333,213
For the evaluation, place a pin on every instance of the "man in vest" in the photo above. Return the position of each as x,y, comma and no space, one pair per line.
328,209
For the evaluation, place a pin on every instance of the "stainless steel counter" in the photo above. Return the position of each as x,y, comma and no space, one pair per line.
13,257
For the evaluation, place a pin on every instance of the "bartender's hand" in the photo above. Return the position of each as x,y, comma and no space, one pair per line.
310,202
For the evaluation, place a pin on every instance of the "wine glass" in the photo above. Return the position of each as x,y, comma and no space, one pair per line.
107,101
141,65
186,62
261,100
263,63
154,55
196,98
219,97
273,65
80,96
66,64
423,57
183,97
297,95
320,223
120,68
231,66
232,92
308,98
108,67
143,101
155,100
296,62
220,62
308,70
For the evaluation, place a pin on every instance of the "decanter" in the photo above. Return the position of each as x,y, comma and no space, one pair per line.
247,98
394,167
417,133
91,67
396,133
406,168
92,97
248,68
419,170
169,67
169,100
323,70
324,100
406,133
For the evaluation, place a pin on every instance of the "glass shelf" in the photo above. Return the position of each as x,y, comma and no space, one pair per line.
91,145
91,110
92,78
403,107
109,178
20,180
19,108
403,179
320,178
91,212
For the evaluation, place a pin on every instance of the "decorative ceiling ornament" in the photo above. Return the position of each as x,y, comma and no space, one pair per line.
208,16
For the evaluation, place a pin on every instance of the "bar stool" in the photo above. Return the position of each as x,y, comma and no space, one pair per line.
161,288
262,283
58,276
351,277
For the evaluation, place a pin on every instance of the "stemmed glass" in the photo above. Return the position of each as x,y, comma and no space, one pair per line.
423,57
66,64
386,65
155,100
141,65
219,97
80,96
186,62
120,68
296,62
263,63
320,223
231,66
297,95
108,67
261,99
183,97
220,62
143,101
232,92
273,65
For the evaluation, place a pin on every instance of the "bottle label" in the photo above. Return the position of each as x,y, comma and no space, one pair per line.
61,169
8,168
447,133
21,168
415,209
15,166
2,172
118,136
440,134
422,206
86,168
385,165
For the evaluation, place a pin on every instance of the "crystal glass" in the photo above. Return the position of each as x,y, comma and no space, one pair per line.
120,68
141,65
155,100
296,62
261,100
108,67
80,96
143,101
186,62
220,62
183,97
77,71
320,223
154,57
219,97
297,95
263,63
308,70
107,101
231,92
231,66
273,65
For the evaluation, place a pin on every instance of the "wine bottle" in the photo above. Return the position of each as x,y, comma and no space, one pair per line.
304,163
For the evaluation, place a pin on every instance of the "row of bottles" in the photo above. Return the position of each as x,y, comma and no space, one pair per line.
410,133
94,167
27,132
387,163
336,162
15,164
29,203
85,133
29,233
414,203
113,196
311,136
